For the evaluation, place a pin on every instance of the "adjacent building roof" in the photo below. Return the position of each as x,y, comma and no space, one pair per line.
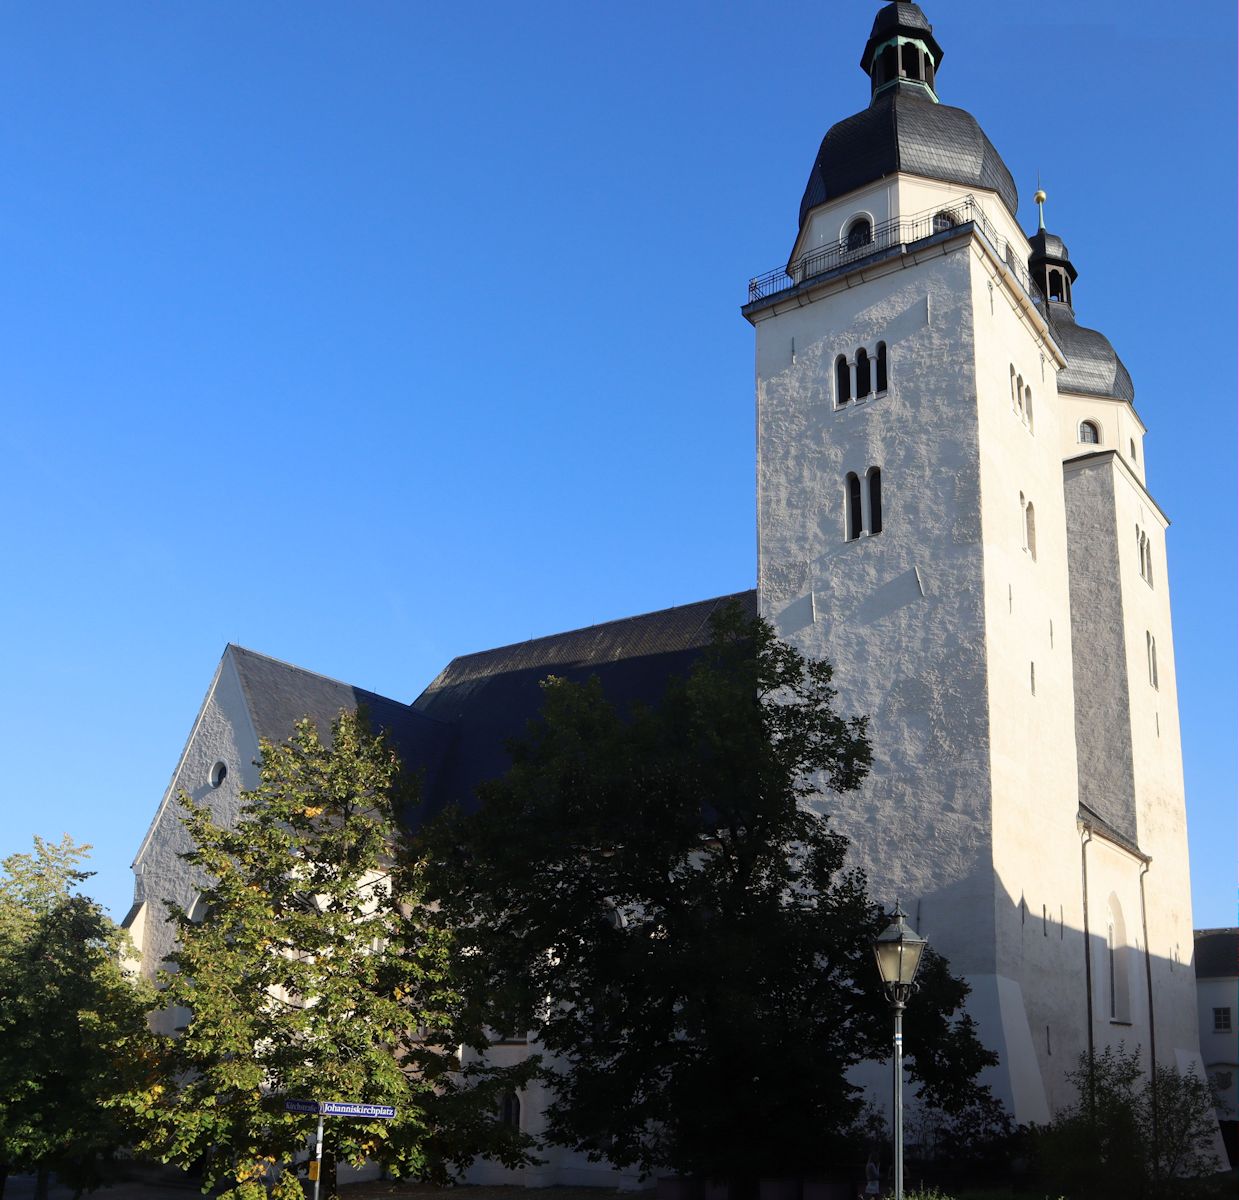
456,733
278,695
487,699
1217,953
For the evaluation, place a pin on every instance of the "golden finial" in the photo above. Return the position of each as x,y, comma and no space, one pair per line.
1039,200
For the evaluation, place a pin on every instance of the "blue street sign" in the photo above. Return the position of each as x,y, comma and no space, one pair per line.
302,1106
370,1112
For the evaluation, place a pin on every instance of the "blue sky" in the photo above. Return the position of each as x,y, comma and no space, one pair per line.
366,335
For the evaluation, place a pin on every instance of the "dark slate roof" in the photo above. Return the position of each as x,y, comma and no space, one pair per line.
1093,367
896,18
905,131
279,695
1050,246
490,698
1217,953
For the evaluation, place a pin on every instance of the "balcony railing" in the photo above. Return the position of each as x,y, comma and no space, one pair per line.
903,232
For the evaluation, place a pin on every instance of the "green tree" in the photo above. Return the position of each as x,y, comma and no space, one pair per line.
657,899
72,1026
308,971
1128,1135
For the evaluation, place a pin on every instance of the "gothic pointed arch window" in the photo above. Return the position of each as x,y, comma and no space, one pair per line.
860,233
881,366
843,381
851,506
1089,434
1028,408
873,481
1030,527
1118,964
864,385
510,1111
1150,643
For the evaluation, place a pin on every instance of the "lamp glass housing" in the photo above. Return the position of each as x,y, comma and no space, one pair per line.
898,950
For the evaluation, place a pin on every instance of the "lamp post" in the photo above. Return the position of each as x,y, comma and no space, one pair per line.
898,949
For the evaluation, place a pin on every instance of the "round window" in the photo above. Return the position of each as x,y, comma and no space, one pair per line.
219,772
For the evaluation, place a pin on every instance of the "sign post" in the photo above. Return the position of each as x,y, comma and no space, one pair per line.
335,1108
318,1154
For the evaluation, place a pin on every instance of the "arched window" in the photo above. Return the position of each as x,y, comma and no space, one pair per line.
1030,527
1019,395
875,500
881,366
888,64
1013,393
843,381
1151,646
863,385
860,233
1089,433
1118,963
1056,285
510,1111
851,507
943,221
910,57
1028,414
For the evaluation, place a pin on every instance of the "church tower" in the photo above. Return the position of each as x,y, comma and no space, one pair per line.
952,510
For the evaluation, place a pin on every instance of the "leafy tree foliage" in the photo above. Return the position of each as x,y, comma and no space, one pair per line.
657,899
72,1025
1125,1137
308,970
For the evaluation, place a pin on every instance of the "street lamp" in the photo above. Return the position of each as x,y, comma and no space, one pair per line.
898,949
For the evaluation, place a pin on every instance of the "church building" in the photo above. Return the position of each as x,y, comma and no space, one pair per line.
951,508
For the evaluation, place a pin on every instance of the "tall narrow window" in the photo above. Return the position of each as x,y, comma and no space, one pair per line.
1088,433
1030,529
1132,443
510,1111
875,500
1028,416
1151,646
863,386
881,366
843,380
852,506
1019,395
1013,405
1119,963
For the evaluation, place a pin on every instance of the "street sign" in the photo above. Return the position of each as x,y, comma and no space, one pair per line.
369,1112
301,1106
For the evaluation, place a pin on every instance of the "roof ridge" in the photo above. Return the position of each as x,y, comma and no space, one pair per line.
546,637
280,662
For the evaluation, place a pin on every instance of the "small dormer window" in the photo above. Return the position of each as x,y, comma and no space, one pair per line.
860,233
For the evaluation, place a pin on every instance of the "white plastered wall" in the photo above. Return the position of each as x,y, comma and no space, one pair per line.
222,732
1038,907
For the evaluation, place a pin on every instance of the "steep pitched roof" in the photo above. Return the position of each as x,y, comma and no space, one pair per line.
278,695
490,698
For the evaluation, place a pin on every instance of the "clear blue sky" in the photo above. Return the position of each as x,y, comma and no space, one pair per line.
366,335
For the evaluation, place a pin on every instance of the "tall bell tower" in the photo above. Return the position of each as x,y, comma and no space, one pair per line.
933,520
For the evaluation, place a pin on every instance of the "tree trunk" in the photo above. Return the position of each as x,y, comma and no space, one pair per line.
40,1184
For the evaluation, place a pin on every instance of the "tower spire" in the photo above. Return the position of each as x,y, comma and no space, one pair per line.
1039,199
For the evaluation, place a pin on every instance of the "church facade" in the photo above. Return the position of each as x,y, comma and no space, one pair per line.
952,509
